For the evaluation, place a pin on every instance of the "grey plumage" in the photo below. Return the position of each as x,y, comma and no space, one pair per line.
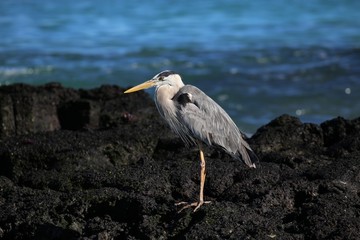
196,118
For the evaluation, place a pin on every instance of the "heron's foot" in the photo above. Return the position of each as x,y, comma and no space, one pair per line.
186,205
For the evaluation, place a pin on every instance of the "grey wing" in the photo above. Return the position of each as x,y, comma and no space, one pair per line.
208,122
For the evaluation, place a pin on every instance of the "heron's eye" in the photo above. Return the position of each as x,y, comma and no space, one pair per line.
161,78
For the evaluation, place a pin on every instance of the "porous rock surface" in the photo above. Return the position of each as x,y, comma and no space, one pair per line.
99,164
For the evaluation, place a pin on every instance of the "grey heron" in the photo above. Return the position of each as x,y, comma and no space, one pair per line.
197,119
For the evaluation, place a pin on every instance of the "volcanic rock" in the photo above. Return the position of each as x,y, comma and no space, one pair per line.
99,164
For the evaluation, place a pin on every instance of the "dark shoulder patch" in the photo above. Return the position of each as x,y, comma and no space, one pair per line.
184,98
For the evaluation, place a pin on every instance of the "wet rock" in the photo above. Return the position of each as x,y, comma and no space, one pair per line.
28,109
99,164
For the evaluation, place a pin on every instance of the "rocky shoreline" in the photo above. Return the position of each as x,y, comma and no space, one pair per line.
99,164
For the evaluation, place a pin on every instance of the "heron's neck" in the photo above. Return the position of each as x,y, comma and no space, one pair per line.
166,92
163,99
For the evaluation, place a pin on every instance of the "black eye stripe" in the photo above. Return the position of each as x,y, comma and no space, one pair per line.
166,74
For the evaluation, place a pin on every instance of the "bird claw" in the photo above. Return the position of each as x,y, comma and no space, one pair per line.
197,205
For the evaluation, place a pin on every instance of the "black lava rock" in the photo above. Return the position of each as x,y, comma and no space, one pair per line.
100,164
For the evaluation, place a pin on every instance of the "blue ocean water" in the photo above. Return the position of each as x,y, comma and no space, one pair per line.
258,59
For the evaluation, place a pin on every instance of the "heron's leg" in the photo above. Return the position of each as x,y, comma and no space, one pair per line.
202,180
201,201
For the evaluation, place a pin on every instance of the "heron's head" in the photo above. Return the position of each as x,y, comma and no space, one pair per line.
166,77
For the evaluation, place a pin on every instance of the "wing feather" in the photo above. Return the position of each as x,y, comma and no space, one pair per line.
208,122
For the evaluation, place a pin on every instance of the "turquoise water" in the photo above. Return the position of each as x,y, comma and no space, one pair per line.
258,59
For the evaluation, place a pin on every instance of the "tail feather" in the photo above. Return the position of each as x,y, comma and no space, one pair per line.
248,156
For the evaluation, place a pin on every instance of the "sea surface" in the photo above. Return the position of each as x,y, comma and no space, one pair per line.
257,59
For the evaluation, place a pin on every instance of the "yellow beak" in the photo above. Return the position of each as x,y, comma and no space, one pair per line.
144,85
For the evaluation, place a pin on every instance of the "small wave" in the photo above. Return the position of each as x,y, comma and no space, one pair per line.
19,71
